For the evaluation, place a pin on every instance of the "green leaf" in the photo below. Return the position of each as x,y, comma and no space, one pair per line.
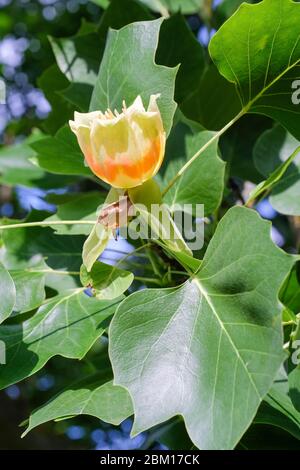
227,7
217,337
7,293
274,157
30,286
277,178
130,53
60,154
95,244
237,147
29,244
120,13
78,57
262,61
273,147
187,7
81,207
266,437
277,408
290,293
15,164
214,101
101,3
52,82
203,181
79,95
107,282
91,396
178,45
66,325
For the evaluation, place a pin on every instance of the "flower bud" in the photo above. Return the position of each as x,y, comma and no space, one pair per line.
125,149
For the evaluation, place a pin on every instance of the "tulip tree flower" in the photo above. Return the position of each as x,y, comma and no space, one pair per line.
123,149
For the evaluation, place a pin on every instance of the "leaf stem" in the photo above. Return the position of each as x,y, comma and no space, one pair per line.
52,271
45,223
201,150
162,9
147,279
265,187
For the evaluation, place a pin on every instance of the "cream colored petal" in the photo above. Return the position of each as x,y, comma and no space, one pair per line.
153,104
83,119
84,141
110,138
137,105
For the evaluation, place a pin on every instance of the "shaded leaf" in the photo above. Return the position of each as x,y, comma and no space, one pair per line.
277,408
7,293
203,181
274,152
30,244
30,286
178,45
15,164
60,154
214,101
91,396
66,325
82,207
52,82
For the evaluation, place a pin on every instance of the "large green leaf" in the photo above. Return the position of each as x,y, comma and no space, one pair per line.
262,59
66,325
60,154
30,285
7,293
271,152
91,396
226,8
203,181
128,69
217,338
